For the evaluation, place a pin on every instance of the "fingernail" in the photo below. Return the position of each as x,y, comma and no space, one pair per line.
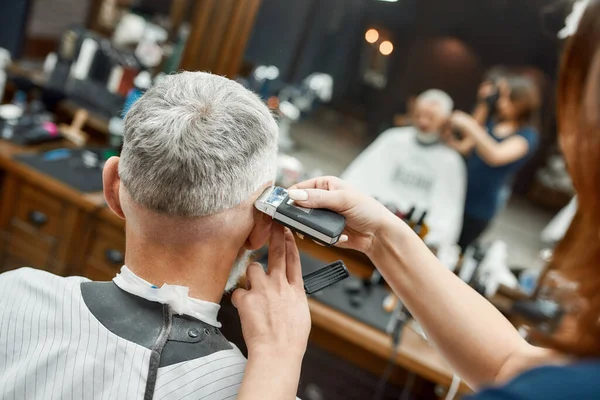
297,194
343,239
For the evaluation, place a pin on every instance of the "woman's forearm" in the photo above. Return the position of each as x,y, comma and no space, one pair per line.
486,147
472,335
272,376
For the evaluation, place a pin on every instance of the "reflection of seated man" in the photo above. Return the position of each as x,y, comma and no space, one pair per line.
410,167
198,150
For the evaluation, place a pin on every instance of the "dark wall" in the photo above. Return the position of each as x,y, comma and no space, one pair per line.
302,37
277,30
335,32
13,16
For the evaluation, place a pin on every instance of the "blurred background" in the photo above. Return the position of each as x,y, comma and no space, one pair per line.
336,73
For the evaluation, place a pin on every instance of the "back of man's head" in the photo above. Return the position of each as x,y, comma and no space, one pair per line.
196,144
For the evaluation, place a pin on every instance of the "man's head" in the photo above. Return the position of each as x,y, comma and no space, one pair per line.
198,150
432,110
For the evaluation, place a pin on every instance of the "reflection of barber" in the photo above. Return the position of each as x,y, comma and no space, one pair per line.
496,148
411,167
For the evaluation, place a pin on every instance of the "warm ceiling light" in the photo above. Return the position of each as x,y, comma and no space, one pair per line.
386,48
372,35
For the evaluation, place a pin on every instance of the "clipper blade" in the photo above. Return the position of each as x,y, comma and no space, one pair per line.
325,277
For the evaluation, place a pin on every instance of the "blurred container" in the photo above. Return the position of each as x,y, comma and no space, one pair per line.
528,281
4,61
289,171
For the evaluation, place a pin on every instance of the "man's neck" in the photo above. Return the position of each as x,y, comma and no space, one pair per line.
203,267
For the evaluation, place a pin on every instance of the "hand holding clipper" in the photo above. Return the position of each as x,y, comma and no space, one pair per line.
323,226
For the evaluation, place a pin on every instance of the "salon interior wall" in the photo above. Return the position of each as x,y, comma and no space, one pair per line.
301,37
325,36
50,18
31,28
486,33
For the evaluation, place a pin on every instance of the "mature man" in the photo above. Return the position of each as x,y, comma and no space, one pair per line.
411,167
198,151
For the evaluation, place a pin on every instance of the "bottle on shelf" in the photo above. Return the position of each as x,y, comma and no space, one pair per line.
141,83
420,228
409,215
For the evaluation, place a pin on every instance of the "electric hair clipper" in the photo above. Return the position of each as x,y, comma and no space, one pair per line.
323,226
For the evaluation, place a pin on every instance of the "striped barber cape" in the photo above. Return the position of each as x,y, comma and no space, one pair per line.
70,338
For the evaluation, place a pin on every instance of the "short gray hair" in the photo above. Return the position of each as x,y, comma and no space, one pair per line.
440,97
196,144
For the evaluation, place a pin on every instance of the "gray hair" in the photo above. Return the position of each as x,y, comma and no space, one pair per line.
440,97
196,144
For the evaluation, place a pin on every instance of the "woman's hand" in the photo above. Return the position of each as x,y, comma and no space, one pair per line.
364,215
486,90
462,121
274,309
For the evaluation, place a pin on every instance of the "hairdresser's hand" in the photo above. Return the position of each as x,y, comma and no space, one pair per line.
461,121
364,215
274,309
486,90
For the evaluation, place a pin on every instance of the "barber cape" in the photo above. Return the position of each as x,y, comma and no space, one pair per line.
399,170
70,338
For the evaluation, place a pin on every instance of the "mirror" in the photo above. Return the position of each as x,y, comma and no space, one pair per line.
380,56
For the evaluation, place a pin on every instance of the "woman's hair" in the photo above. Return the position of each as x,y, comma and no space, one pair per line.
577,257
525,95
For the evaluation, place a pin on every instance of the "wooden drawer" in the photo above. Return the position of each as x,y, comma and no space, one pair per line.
42,213
105,254
37,228
15,253
23,232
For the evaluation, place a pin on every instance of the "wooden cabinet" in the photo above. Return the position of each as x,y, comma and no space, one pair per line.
36,228
104,253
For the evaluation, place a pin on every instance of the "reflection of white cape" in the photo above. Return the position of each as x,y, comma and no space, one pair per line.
397,169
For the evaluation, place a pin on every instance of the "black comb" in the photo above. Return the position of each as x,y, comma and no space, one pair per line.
325,277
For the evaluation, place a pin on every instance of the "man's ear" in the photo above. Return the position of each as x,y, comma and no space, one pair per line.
259,235
112,184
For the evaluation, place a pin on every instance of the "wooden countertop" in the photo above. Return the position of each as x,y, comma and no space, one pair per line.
414,353
86,201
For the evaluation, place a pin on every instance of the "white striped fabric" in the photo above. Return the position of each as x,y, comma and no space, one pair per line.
52,347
